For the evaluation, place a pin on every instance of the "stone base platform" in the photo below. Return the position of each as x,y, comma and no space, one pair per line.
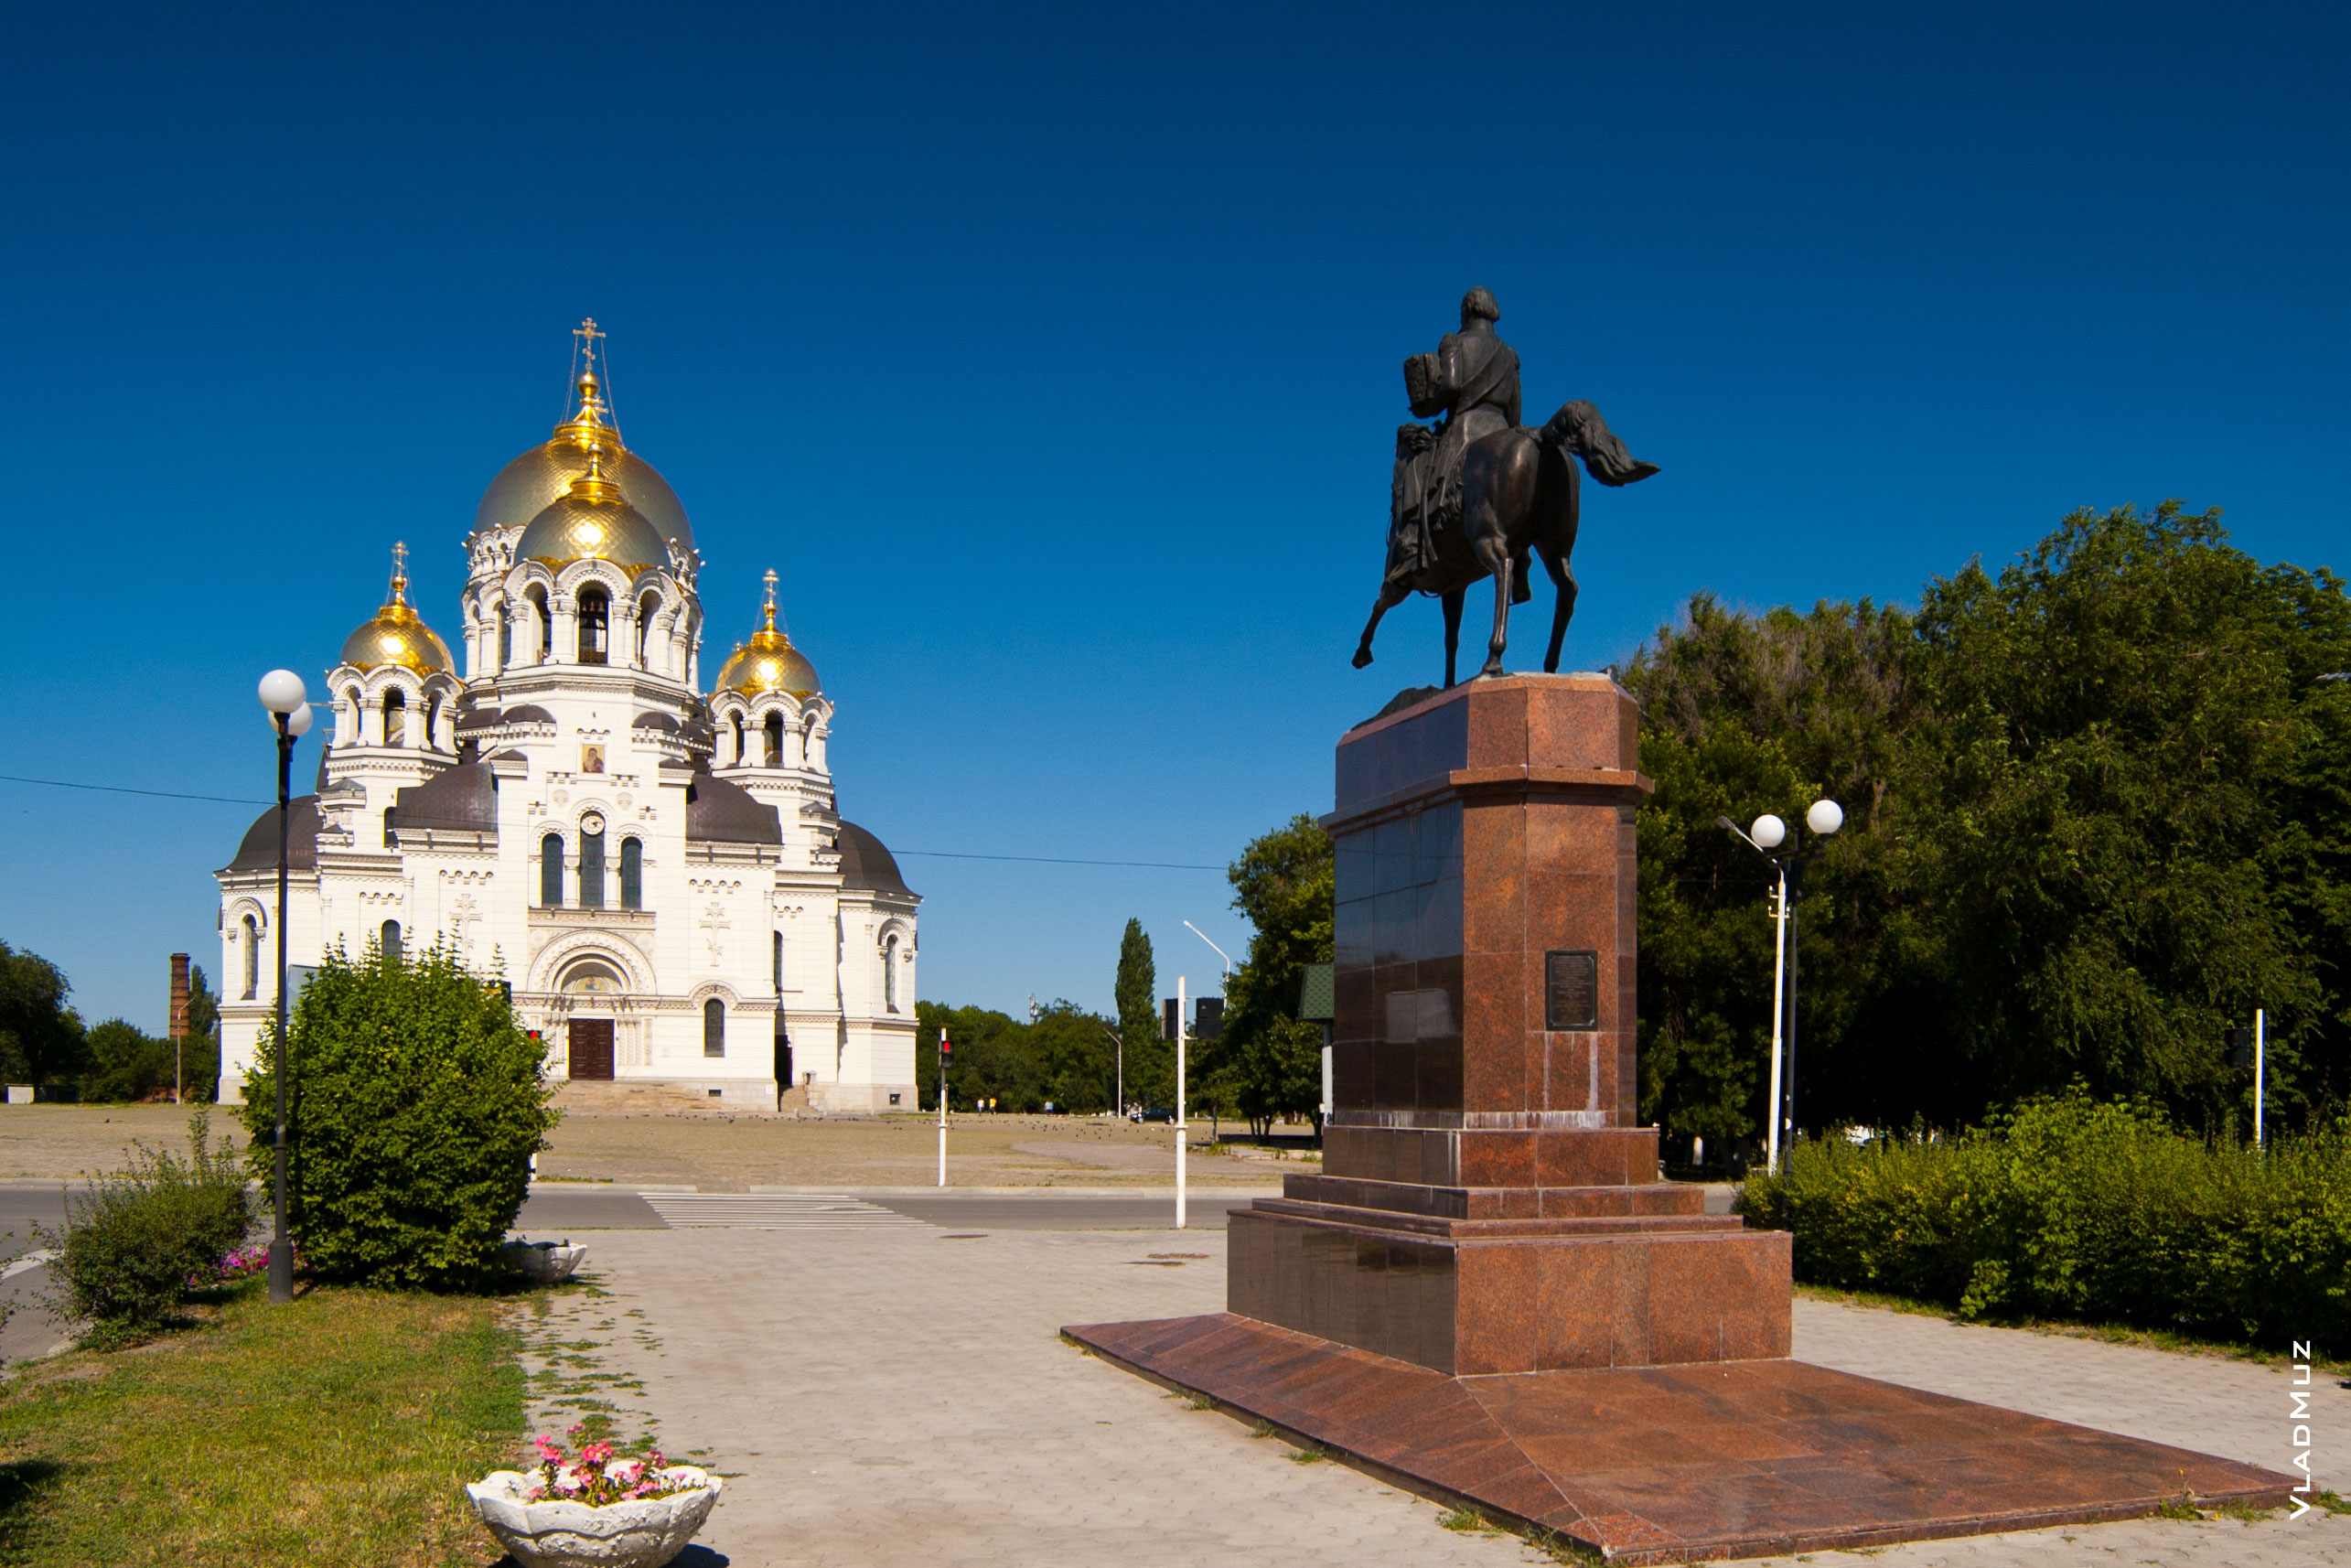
1470,1281
1660,1464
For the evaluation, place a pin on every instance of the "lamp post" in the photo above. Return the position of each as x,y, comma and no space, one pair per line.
1778,843
282,694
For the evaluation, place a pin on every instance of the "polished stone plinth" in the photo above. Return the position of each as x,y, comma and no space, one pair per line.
1487,1203
1683,1463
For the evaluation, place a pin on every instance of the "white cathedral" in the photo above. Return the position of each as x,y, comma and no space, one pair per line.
661,877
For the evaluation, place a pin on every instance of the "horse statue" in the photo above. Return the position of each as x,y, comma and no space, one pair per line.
1480,495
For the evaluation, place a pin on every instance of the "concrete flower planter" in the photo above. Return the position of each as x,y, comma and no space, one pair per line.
543,1263
551,1533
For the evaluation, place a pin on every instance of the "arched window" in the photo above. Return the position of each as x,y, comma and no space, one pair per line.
391,827
780,964
253,958
592,870
774,740
551,871
890,974
713,1027
740,760
391,942
536,598
595,624
632,873
645,609
505,637
395,718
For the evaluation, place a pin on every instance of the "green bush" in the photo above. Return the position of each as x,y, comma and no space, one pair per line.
2070,1208
416,1104
141,1238
126,1064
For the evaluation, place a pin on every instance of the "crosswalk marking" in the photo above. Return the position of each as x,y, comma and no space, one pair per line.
776,1211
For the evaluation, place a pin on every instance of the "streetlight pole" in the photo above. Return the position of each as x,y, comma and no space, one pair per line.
282,694
1181,1029
1780,843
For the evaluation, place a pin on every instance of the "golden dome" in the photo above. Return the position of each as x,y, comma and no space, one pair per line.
768,662
396,634
535,480
592,521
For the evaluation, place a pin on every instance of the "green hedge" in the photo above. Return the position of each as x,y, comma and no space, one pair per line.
139,1240
2069,1209
416,1106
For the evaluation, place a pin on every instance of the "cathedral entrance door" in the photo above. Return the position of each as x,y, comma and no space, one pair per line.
591,1048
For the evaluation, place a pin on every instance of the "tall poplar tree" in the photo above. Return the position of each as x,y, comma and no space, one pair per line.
1150,1078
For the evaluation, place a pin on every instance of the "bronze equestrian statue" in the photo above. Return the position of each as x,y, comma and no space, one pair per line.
1478,494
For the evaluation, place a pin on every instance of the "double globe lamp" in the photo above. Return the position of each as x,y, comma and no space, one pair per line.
1771,838
289,709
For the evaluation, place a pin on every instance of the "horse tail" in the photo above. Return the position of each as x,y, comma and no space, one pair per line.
1577,430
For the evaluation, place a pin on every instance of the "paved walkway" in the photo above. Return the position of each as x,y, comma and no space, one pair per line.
901,1396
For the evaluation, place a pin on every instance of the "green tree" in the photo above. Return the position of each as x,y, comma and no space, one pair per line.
1062,1057
1268,1064
126,1063
1149,1062
199,1061
41,1040
416,1104
2130,821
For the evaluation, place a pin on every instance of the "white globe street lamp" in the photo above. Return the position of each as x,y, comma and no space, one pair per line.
1771,838
281,693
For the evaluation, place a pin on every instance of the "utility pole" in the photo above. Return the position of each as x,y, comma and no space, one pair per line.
945,1050
1779,1015
1181,1029
2259,1043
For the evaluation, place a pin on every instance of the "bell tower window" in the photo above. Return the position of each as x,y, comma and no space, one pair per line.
253,958
395,718
774,740
595,626
632,873
592,870
890,975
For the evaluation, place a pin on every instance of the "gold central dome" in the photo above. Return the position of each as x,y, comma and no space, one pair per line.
535,480
768,662
591,520
396,634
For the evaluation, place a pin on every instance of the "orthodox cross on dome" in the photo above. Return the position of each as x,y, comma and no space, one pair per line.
596,398
770,581
399,572
587,334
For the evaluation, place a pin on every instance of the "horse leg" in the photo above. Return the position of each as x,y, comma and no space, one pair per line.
1563,578
1452,631
1390,597
1503,576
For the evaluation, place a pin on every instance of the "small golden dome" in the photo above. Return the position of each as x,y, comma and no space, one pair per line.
396,634
768,662
592,521
535,480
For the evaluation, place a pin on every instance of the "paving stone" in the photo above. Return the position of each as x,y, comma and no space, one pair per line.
886,1397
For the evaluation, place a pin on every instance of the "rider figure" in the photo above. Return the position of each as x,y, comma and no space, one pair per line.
1473,380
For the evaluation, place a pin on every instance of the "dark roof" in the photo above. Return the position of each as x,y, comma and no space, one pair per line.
258,851
527,714
470,719
464,797
509,755
721,812
864,862
655,720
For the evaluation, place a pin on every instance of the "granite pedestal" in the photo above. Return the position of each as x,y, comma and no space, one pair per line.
1488,1294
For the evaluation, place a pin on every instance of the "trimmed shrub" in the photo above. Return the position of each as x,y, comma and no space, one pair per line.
142,1239
2069,1209
415,1106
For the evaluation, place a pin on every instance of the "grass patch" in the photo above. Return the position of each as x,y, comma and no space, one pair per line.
1468,1519
2182,1507
336,1430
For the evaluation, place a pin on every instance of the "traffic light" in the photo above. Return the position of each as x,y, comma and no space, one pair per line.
1209,1018
2241,1047
1167,1019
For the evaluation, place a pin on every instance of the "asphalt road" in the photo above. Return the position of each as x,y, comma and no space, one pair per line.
554,1208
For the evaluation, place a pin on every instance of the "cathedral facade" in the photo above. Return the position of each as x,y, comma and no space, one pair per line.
661,877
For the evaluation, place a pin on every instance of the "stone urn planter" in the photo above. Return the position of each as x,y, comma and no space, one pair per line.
543,1263
554,1533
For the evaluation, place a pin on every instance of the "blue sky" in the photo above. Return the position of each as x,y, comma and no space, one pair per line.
1051,356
